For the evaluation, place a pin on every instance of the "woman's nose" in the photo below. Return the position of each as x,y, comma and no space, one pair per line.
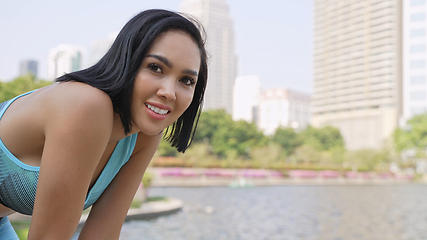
167,90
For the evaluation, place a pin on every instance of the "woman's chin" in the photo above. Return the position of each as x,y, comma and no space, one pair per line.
152,132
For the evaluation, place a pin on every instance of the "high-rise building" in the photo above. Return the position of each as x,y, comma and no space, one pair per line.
283,108
214,16
64,59
28,67
245,98
414,59
100,47
358,69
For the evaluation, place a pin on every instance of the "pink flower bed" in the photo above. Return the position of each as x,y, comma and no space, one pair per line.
217,172
351,175
354,175
385,175
302,174
169,172
189,173
329,174
253,173
275,174
226,173
404,177
212,172
365,175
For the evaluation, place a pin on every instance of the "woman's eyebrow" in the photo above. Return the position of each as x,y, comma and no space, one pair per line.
169,64
190,72
162,59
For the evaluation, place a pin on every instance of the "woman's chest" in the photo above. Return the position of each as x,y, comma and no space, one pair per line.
103,162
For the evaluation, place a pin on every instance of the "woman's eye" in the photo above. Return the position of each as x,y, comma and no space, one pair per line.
155,68
188,81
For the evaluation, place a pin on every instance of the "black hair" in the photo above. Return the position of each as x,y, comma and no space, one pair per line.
115,72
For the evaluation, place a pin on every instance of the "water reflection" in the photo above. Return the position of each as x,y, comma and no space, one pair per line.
290,212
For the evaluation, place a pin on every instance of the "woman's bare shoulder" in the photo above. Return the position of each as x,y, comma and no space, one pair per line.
73,94
76,97
73,102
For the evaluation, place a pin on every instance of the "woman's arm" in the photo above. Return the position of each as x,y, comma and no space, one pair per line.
77,130
109,212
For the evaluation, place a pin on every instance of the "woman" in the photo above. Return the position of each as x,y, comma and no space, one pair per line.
87,139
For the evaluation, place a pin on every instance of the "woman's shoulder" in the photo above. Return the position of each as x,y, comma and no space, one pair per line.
76,102
76,93
77,96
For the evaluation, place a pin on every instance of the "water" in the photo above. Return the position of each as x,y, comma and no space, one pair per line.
289,212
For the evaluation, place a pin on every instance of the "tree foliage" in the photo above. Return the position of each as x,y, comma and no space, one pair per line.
165,149
20,85
209,123
322,139
414,136
220,141
288,139
227,137
367,159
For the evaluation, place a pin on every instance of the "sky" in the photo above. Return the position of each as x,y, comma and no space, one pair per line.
273,38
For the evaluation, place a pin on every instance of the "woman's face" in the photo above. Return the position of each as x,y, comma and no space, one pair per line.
165,83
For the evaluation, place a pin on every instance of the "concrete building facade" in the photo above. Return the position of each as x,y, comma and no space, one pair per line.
358,69
100,47
214,16
283,108
414,59
28,67
64,59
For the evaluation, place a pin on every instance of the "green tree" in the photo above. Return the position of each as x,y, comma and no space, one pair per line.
268,155
288,139
209,123
414,136
165,149
239,137
307,154
20,85
226,137
322,139
368,159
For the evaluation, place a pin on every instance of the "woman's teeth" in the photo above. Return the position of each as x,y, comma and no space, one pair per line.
156,109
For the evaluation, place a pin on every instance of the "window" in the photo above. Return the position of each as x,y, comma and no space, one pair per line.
418,48
418,64
417,17
417,2
418,95
418,33
418,79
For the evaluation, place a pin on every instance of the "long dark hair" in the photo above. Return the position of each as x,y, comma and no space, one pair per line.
115,72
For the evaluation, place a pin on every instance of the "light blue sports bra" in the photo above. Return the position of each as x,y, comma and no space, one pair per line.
18,181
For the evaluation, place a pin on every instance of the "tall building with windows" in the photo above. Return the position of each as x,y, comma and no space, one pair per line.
28,66
283,108
100,47
358,69
64,59
214,16
414,59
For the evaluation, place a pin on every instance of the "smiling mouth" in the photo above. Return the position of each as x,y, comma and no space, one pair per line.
157,110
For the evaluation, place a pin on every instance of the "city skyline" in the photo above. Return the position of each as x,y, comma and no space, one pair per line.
273,40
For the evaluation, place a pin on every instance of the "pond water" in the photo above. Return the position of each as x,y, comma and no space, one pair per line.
289,212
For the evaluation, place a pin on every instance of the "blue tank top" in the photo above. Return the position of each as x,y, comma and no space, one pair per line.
18,181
